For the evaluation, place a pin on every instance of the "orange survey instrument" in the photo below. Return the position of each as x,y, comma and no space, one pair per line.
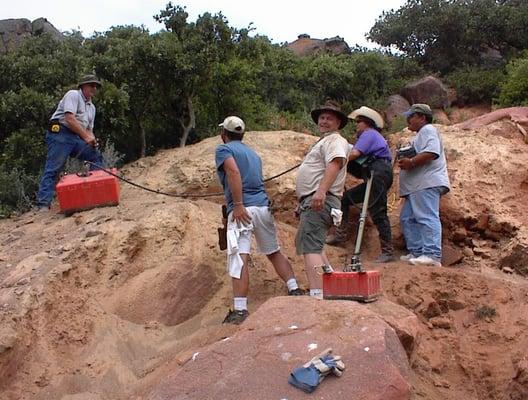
360,286
354,283
96,189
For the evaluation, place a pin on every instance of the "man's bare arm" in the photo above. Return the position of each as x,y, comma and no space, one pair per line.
234,181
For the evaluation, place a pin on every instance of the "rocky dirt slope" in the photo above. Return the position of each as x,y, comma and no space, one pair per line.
112,302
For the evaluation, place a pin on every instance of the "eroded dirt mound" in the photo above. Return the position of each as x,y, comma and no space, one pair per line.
95,306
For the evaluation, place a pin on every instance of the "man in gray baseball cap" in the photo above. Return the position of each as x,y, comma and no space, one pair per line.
423,179
418,108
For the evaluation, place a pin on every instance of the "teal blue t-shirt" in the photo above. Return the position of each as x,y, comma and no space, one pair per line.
250,167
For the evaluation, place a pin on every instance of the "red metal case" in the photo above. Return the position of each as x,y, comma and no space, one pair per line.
77,193
360,286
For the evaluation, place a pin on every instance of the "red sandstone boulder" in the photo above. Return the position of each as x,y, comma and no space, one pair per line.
397,106
256,361
429,90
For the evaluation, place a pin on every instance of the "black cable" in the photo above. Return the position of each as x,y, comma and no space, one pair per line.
282,173
182,195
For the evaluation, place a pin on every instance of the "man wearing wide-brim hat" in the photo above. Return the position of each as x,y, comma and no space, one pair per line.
369,157
70,134
319,188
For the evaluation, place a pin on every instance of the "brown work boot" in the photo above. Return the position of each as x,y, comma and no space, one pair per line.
341,235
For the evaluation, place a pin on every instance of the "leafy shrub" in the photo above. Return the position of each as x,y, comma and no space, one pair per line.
485,311
514,91
17,191
476,85
24,150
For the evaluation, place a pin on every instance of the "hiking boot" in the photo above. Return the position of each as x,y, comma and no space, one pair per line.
425,260
385,258
235,317
43,209
387,252
296,292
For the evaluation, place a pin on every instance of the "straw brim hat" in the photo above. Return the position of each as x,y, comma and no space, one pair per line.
370,114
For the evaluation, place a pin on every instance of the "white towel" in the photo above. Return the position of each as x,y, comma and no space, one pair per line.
234,261
337,215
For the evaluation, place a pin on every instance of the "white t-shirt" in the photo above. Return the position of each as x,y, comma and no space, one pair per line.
431,174
313,167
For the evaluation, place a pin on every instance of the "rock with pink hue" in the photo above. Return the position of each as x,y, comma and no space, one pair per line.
305,46
429,90
397,106
518,115
284,333
451,255
405,323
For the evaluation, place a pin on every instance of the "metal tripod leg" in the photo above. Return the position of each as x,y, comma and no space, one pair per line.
355,262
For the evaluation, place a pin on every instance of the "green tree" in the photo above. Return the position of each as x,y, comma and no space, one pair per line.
189,62
126,56
514,91
446,34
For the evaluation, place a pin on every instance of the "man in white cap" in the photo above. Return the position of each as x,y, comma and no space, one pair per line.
70,134
239,170
369,156
423,179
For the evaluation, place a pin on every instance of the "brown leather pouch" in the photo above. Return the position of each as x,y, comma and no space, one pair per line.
222,238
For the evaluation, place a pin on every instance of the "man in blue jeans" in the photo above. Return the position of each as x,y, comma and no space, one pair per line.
70,134
423,179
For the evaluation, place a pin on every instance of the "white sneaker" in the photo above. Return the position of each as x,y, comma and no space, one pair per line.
407,257
425,260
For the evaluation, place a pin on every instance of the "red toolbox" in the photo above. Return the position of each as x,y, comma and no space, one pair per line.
361,286
77,193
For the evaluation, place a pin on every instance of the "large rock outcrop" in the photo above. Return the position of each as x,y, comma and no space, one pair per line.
397,105
282,334
13,31
429,90
305,46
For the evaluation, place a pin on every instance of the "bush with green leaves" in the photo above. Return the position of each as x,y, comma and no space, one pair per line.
475,85
514,91
17,190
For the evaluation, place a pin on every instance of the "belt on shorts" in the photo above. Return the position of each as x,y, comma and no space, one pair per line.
301,199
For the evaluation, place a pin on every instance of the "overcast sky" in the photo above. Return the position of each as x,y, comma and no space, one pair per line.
280,20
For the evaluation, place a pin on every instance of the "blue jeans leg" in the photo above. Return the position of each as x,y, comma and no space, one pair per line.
59,148
83,151
426,211
410,229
